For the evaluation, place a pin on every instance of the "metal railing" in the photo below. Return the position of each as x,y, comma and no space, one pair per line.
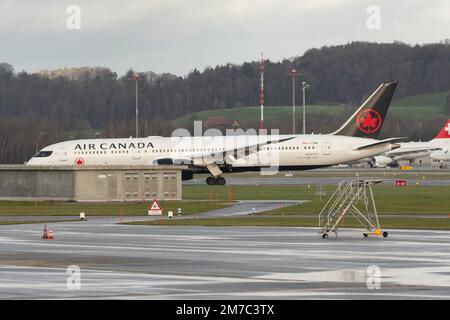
354,198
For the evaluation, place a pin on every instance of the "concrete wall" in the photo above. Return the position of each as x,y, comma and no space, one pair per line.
45,184
119,183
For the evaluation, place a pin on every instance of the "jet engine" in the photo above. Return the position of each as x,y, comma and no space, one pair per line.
380,161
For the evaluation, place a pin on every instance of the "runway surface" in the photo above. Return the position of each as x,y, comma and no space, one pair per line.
162,262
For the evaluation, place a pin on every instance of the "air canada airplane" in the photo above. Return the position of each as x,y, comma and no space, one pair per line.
356,139
437,148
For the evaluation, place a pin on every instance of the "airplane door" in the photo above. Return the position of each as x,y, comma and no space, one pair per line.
301,153
136,154
326,148
63,154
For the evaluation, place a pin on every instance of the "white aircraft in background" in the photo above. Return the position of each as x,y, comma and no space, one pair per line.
355,140
437,149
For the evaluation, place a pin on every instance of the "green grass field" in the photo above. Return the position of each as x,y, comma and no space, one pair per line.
347,174
424,106
54,208
411,200
40,221
437,99
406,207
247,115
390,200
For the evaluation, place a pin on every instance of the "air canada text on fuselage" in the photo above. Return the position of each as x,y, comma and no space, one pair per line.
113,145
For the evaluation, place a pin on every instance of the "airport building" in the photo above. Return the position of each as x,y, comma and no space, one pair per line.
108,183
426,162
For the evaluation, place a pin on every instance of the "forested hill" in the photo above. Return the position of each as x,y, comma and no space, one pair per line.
50,106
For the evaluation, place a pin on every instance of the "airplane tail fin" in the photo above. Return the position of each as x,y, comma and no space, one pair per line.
445,131
367,121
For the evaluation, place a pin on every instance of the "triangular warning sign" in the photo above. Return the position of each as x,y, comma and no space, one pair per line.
154,209
155,205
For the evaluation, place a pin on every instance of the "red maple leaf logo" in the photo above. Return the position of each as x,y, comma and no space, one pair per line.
79,161
369,121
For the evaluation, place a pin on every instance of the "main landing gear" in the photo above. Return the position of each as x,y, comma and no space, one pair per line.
215,171
216,180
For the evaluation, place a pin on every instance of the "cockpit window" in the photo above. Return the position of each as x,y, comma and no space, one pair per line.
43,154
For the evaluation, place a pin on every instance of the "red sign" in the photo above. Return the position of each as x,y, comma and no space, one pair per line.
369,121
400,183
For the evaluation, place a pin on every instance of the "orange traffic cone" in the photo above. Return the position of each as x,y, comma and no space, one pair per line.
50,234
45,235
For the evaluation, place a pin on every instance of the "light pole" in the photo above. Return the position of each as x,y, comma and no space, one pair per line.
293,74
304,87
136,78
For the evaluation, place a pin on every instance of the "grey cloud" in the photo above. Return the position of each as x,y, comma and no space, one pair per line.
177,36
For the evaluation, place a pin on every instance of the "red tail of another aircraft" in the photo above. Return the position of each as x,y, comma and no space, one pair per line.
445,131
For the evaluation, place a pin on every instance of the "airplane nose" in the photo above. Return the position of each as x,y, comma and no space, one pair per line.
32,161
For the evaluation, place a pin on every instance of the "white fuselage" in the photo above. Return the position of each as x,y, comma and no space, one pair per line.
299,151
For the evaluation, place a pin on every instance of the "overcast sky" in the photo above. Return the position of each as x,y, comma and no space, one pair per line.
179,35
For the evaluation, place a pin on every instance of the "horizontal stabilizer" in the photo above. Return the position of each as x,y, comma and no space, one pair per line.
406,151
381,142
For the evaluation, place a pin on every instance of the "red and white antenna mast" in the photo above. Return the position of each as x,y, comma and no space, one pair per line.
261,91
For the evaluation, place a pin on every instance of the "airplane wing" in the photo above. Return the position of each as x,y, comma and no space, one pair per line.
197,159
246,149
